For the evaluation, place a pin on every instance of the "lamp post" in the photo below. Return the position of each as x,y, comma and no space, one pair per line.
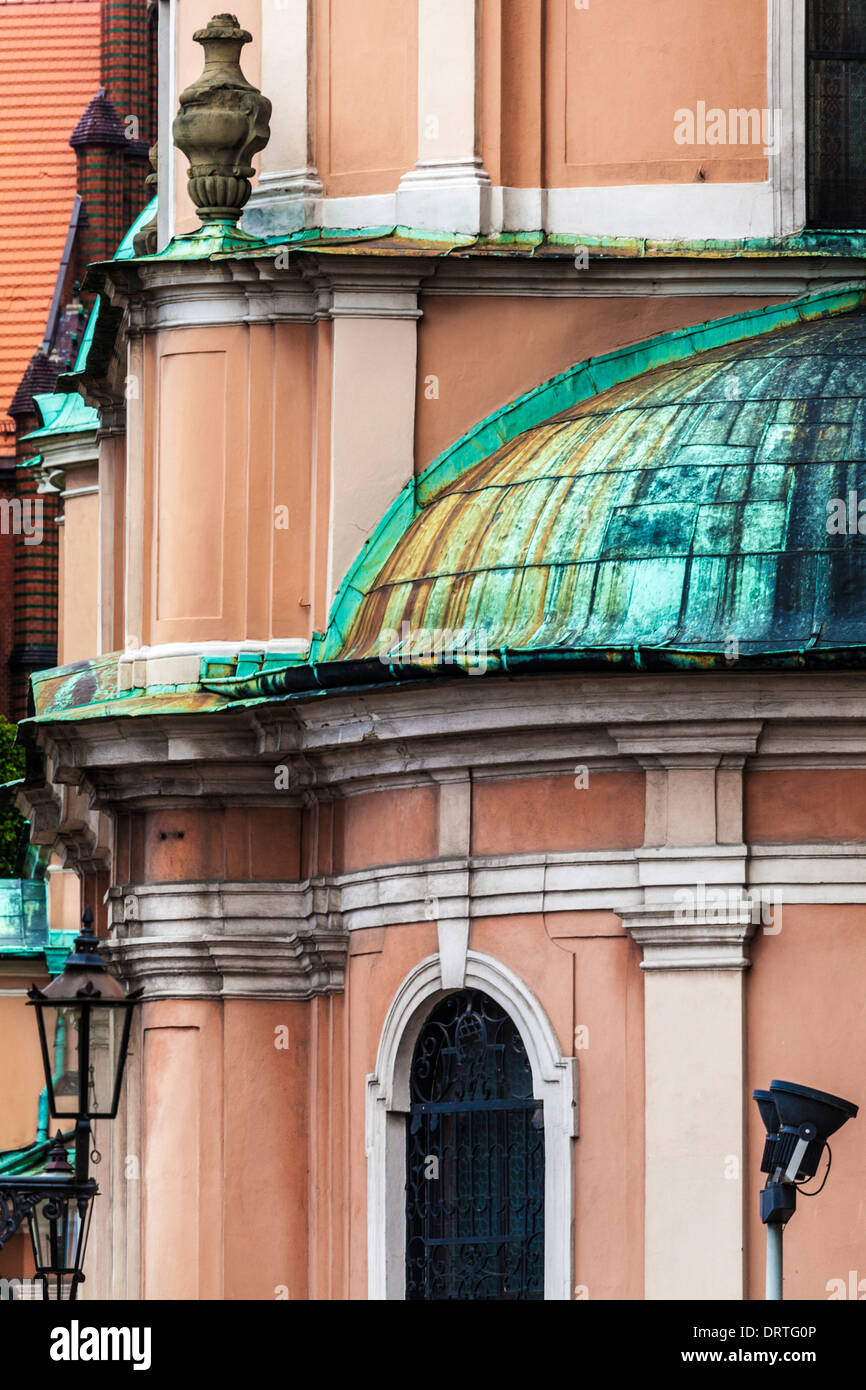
92,1013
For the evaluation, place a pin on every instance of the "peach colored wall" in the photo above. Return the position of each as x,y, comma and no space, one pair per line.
78,633
183,1150
806,1023
193,15
512,71
784,807
237,843
615,74
16,1257
64,896
23,1077
112,486
228,493
390,827
269,1112
487,350
550,813
366,73
331,1084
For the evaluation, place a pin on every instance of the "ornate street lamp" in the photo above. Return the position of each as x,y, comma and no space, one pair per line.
58,1210
96,1015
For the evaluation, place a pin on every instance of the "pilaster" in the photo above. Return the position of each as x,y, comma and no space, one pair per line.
285,198
449,187
694,940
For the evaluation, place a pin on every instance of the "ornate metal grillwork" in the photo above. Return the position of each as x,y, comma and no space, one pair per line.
474,1159
836,65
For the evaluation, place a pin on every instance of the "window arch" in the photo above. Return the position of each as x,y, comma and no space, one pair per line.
554,1082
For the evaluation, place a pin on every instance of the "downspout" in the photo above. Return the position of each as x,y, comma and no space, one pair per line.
59,1068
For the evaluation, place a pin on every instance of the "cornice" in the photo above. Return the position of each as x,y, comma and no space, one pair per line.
714,941
228,940
499,728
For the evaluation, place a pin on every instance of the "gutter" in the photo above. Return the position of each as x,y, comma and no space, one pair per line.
373,672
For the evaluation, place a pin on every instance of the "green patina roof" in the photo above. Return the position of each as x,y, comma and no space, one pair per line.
24,927
646,508
676,513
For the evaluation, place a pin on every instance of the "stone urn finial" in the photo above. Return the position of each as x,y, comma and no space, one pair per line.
222,122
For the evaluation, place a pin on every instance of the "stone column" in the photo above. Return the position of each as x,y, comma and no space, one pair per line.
693,928
449,189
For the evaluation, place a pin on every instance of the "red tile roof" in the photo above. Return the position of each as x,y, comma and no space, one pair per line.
49,71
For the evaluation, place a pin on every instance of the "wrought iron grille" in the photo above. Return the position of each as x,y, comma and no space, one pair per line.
836,96
474,1159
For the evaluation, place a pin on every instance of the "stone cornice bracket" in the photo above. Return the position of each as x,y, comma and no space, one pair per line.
697,936
348,287
681,738
222,123
63,817
694,778
112,421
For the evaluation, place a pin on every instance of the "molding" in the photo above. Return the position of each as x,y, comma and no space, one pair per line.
197,294
284,202
227,940
349,744
708,941
458,190
685,744
607,276
92,491
554,1082
452,893
62,453
444,203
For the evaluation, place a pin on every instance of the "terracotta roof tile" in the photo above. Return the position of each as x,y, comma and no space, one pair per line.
49,73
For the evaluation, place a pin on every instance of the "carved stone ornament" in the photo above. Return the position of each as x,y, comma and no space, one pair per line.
222,123
145,240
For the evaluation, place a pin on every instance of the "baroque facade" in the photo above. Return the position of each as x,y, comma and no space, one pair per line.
462,723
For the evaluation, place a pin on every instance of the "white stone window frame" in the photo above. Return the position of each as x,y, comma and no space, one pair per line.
554,1081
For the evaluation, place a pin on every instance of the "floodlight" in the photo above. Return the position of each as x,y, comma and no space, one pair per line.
799,1120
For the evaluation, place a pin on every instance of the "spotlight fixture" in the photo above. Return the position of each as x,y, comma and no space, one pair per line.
799,1120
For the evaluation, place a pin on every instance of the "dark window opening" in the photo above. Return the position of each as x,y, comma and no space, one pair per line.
836,114
474,1159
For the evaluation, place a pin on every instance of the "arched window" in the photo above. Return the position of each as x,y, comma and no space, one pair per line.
474,1158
